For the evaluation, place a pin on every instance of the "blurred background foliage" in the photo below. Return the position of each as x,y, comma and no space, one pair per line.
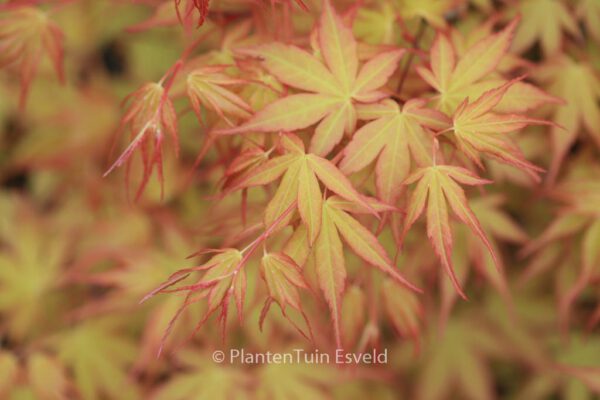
77,255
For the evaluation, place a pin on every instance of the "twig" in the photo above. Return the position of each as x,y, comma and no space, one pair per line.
415,46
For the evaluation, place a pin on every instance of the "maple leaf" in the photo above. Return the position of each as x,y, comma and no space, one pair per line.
149,115
578,84
565,368
131,281
377,26
334,86
479,130
330,268
285,381
432,11
495,220
404,310
202,379
450,76
300,183
44,377
205,87
579,219
30,269
436,186
47,377
25,34
469,254
543,21
393,137
283,278
223,278
99,358
353,315
457,76
459,362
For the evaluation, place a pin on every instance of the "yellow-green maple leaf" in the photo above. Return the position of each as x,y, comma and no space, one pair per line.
394,137
543,21
334,85
300,183
437,189
330,268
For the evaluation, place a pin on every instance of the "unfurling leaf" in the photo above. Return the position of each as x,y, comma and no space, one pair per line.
206,87
149,116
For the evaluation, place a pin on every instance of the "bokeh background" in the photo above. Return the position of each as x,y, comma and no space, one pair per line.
78,252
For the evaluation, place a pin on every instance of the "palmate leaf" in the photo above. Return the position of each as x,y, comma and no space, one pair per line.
353,315
543,21
457,76
458,362
478,130
203,379
223,280
404,310
432,11
471,255
286,381
41,378
578,221
566,369
301,175
283,278
31,267
26,33
436,188
452,76
206,86
394,137
335,85
578,84
98,358
330,268
149,115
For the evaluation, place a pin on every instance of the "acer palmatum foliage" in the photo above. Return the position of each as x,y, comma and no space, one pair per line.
345,174
325,93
